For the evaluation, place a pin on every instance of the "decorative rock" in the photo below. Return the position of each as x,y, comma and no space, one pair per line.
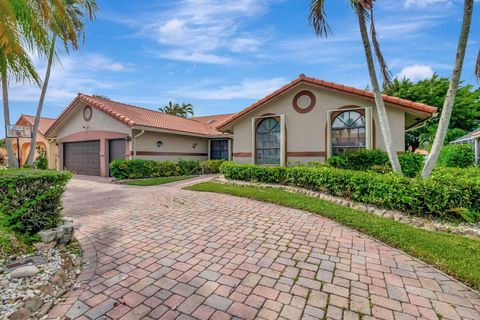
67,228
397,217
78,271
47,290
67,220
60,292
44,310
389,215
20,314
67,237
26,271
56,280
33,304
430,227
62,274
59,233
379,212
42,246
47,235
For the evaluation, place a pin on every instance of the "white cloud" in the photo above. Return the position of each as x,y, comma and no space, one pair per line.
100,62
90,73
183,55
247,89
416,72
204,31
423,3
245,44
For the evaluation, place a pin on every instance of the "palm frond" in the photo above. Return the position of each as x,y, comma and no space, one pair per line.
318,18
387,76
477,66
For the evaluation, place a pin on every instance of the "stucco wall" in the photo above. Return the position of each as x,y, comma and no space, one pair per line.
100,121
174,146
50,148
306,132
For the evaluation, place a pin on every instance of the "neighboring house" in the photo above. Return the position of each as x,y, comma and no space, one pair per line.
305,120
473,139
42,144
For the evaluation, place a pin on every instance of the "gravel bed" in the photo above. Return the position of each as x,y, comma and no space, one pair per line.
31,297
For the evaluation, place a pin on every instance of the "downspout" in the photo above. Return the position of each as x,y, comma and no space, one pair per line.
135,144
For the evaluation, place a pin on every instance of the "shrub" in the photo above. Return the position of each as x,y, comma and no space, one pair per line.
210,166
456,156
140,169
431,197
359,159
411,163
30,199
381,169
188,167
41,162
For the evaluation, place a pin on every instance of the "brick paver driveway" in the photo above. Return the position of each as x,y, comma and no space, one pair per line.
163,252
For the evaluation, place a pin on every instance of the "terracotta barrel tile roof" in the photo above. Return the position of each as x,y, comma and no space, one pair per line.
330,85
137,116
43,125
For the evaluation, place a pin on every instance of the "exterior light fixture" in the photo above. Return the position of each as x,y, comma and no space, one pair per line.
159,143
194,145
128,138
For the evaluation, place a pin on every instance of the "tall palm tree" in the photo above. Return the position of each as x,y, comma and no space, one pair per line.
71,30
184,110
364,10
452,90
23,28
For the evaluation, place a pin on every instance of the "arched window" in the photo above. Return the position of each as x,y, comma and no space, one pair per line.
348,131
267,142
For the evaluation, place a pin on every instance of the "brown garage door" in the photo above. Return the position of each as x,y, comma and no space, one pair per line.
116,149
82,157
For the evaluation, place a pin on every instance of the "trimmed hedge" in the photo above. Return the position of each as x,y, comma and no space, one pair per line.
359,159
376,160
31,199
411,163
436,196
141,169
456,156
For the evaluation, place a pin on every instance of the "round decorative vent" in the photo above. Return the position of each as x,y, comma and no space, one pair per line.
304,101
87,113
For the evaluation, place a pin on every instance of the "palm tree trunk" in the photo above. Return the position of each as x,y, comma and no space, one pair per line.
33,141
382,113
12,160
451,93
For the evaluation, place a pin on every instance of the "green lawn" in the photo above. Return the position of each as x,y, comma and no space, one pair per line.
456,255
157,181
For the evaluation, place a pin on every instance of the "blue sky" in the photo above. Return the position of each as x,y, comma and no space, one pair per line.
223,55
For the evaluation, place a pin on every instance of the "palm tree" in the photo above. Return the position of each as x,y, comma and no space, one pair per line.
364,10
184,110
70,29
23,28
452,90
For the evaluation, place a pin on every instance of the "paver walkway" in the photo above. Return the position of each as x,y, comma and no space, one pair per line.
162,253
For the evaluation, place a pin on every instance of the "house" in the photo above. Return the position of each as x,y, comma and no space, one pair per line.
473,139
42,143
306,120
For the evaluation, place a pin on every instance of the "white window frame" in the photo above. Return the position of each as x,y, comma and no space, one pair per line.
368,127
282,136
